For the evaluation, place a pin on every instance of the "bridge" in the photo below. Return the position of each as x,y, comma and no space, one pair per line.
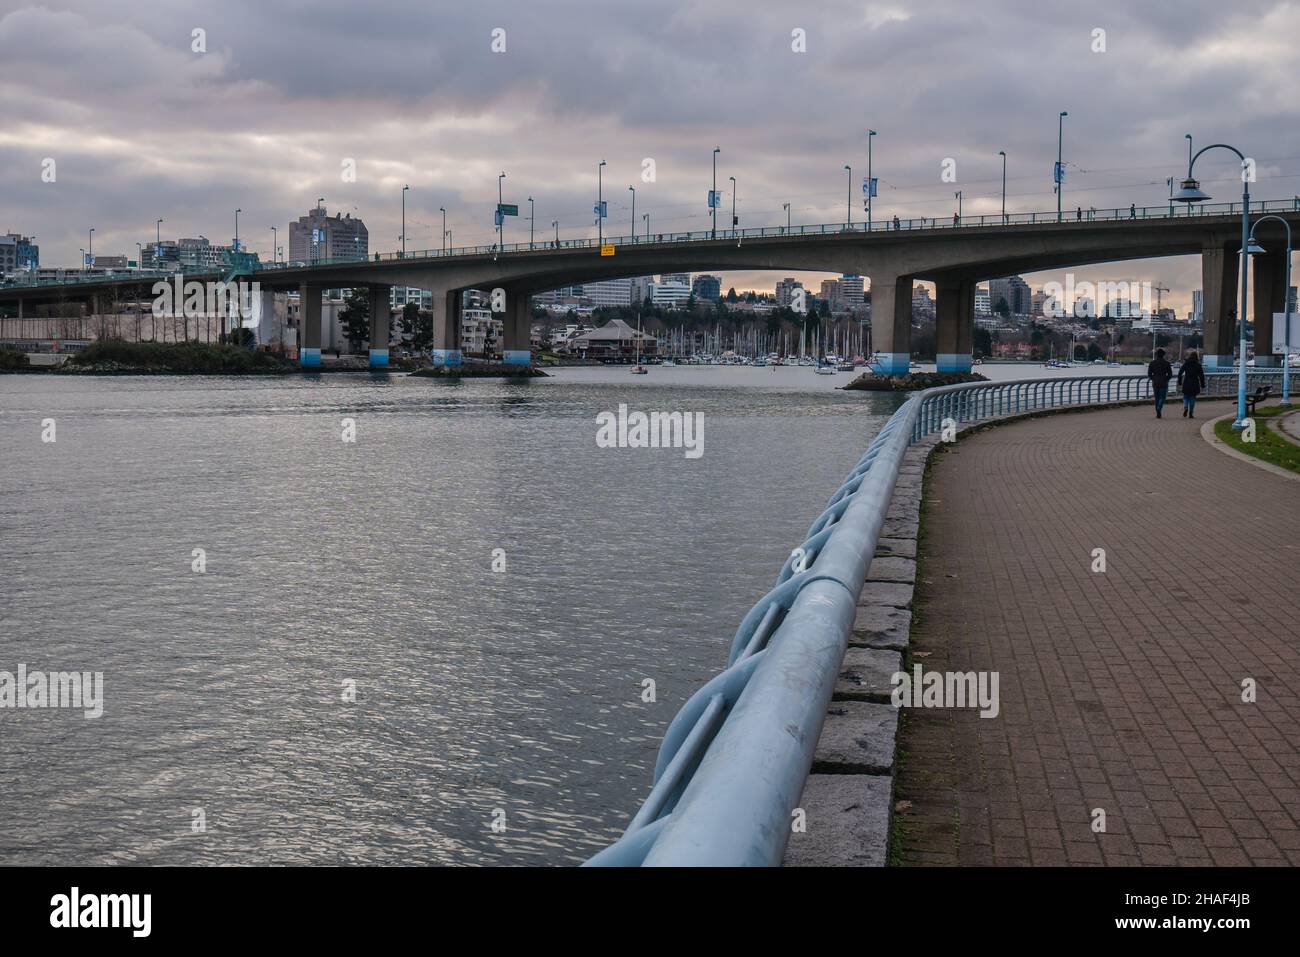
954,254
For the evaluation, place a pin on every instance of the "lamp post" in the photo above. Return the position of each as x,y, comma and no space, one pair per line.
90,246
1059,173
158,228
501,216
633,190
646,217
1191,193
275,243
404,189
1188,137
870,135
237,212
1286,286
713,195
733,204
531,217
556,224
443,210
1003,154
139,256
958,195
786,207
600,199
848,203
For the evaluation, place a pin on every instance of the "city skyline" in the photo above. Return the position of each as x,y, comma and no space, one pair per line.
249,128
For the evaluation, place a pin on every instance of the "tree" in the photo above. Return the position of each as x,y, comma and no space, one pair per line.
982,340
355,318
731,295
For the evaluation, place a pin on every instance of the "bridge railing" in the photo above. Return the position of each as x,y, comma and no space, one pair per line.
1165,211
734,760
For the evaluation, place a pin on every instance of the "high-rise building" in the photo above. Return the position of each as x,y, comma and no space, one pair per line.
785,290
851,289
682,277
641,289
321,236
706,287
1011,293
982,305
832,295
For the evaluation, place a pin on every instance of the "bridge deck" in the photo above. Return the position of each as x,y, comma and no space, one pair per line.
1121,690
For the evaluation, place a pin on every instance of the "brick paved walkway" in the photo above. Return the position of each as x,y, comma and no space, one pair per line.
1122,690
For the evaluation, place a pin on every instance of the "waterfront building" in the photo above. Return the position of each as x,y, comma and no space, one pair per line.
1012,294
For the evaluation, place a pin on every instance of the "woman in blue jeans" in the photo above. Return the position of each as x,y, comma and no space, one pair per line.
1191,379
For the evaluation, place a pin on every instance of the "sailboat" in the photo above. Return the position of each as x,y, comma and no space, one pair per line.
638,369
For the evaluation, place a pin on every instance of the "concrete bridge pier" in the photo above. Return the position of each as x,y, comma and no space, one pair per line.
446,327
381,316
516,342
891,322
954,325
309,325
1219,263
1269,296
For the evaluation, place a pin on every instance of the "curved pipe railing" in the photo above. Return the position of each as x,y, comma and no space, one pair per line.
734,760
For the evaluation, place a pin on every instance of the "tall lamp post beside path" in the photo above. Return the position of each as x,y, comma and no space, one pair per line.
1253,248
1190,192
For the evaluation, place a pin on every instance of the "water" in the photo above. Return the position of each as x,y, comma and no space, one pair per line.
326,562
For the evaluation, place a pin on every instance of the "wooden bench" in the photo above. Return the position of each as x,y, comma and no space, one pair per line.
1261,393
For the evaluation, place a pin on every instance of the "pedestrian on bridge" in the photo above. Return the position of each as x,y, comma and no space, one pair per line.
1191,379
1159,371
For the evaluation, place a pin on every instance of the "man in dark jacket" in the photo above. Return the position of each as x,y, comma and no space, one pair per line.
1159,371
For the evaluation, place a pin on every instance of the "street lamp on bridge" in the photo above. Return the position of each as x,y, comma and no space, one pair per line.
90,257
786,207
633,189
501,216
646,217
443,210
275,245
1255,249
1058,175
1003,154
871,183
531,216
600,203
404,189
958,195
1191,192
713,195
556,224
848,203
734,223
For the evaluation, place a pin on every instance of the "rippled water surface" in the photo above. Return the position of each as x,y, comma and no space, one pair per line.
372,562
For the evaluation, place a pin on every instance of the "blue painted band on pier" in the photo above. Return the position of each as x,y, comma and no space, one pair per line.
446,357
952,362
895,363
378,358
309,358
517,357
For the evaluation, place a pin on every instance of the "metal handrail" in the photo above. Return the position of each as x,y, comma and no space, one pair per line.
1116,214
733,761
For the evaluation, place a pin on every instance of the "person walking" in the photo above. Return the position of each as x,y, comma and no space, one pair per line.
1191,379
1159,371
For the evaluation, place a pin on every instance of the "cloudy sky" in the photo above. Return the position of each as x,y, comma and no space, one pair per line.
142,126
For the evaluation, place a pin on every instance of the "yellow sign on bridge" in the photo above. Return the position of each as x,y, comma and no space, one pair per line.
607,249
